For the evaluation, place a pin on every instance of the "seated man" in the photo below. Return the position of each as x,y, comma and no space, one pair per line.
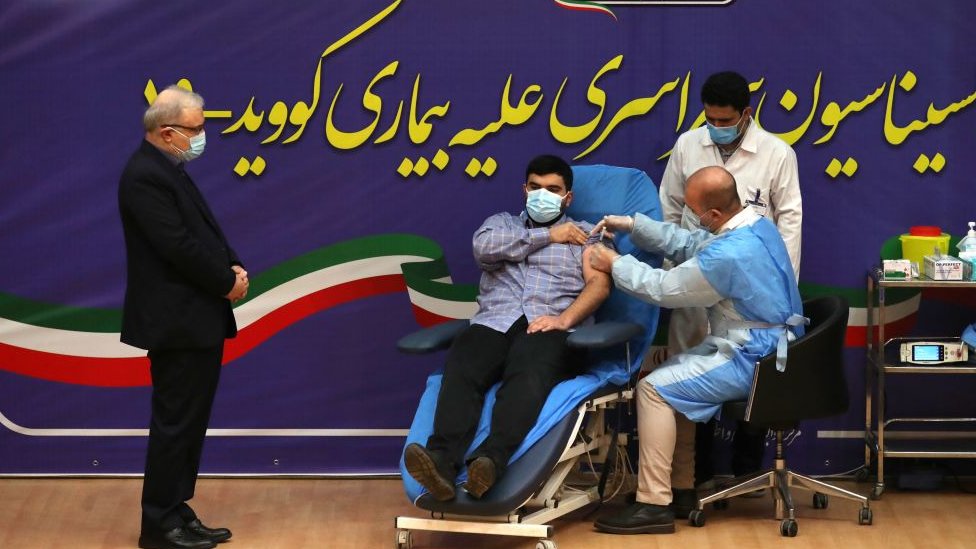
536,285
743,276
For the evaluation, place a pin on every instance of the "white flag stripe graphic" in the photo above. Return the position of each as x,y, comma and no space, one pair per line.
107,345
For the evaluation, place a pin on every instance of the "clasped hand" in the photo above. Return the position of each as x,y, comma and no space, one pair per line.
241,284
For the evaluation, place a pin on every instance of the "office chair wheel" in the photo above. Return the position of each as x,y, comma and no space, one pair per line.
404,539
862,475
696,518
820,501
788,528
720,505
545,544
865,517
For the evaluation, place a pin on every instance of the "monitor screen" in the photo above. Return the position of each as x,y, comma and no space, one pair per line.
930,353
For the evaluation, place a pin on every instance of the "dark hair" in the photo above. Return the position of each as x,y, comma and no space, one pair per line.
546,164
724,89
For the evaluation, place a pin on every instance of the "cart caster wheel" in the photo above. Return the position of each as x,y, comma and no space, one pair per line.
819,501
862,475
721,504
788,528
545,544
404,539
696,518
865,517
876,492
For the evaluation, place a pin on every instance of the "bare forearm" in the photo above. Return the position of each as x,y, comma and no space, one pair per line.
594,293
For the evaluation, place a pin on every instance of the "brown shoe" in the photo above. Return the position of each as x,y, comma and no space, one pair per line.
423,468
481,476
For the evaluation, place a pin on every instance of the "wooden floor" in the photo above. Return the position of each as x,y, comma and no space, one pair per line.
359,513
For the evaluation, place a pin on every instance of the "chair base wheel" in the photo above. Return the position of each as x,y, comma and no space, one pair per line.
788,528
404,539
820,501
696,518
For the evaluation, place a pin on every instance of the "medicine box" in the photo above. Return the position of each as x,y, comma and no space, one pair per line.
897,269
943,267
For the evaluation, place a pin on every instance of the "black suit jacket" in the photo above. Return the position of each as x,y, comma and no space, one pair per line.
178,260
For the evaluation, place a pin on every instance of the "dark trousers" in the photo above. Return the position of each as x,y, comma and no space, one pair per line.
528,365
748,447
184,382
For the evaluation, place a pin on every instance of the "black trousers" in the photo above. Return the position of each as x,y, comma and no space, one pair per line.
528,365
748,447
184,383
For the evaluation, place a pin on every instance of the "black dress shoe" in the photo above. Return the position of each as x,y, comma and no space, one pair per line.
481,476
683,501
639,518
423,467
216,535
177,538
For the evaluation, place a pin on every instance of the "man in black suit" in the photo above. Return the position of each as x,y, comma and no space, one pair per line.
182,277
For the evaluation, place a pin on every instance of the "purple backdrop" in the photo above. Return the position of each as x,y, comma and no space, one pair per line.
75,77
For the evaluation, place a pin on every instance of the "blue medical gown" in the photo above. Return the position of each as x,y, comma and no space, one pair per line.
741,276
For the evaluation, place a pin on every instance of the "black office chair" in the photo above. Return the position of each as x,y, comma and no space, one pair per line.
813,386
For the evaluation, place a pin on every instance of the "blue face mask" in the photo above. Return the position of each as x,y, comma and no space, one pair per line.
694,221
725,134
197,144
543,206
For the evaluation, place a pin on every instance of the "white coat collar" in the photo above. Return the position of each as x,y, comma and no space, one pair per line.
746,217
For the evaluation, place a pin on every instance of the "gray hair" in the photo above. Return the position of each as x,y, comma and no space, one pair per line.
169,105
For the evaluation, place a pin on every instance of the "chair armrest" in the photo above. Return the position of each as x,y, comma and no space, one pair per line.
431,339
604,334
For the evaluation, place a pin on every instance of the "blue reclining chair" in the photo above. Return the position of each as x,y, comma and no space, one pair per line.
571,433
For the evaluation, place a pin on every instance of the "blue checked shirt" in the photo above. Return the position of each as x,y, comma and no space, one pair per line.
523,273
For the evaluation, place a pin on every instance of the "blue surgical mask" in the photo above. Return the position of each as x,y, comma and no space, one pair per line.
197,144
725,134
694,221
543,206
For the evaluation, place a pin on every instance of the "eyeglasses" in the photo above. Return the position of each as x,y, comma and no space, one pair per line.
195,130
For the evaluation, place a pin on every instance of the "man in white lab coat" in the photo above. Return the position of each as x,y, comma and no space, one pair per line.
765,169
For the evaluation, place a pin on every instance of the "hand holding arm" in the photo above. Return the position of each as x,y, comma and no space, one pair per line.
602,258
567,233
